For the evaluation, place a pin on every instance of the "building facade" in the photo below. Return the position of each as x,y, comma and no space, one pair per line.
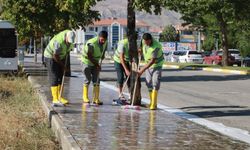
116,28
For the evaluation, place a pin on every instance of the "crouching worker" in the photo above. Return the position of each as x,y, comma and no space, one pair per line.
153,55
121,61
55,54
92,54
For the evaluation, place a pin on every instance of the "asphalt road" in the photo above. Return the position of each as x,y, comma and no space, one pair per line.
217,97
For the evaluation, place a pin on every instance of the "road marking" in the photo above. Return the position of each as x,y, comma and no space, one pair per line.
235,133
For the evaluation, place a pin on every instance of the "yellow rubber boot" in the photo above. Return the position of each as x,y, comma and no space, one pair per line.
96,93
62,100
54,92
153,104
150,96
85,91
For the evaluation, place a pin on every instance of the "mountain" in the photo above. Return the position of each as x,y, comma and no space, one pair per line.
118,9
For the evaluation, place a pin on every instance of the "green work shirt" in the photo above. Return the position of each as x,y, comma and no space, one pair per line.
123,48
153,51
57,45
93,46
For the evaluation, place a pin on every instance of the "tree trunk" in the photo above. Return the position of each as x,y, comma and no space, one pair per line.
223,28
133,52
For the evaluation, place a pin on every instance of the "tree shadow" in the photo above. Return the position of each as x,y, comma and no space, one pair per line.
204,78
216,112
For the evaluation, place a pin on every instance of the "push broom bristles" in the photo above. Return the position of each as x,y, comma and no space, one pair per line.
131,107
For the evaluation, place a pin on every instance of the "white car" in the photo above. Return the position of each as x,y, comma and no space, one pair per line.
190,57
172,56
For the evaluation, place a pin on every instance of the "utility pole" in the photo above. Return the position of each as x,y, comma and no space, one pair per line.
199,40
35,53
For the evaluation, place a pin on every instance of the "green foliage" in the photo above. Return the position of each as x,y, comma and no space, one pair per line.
34,18
168,34
217,15
209,43
150,6
243,43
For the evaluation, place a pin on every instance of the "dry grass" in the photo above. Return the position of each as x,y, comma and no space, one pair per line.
23,124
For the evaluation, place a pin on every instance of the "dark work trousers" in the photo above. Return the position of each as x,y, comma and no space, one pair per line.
120,74
55,71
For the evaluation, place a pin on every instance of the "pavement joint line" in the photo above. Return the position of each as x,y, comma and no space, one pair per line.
235,133
63,135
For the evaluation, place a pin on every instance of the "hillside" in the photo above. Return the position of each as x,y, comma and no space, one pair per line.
118,9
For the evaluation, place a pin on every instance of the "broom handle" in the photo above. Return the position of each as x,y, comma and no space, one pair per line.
136,80
124,85
64,72
100,64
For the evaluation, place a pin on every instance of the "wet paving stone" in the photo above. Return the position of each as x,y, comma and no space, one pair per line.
110,127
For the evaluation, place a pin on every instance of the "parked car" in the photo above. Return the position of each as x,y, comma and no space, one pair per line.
236,54
172,56
206,53
246,61
190,57
216,58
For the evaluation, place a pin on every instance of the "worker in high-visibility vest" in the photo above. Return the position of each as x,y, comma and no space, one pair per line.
121,61
92,53
55,54
153,55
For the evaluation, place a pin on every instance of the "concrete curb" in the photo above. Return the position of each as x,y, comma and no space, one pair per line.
64,137
228,71
172,66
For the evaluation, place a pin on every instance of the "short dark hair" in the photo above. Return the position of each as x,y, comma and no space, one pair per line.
103,34
147,36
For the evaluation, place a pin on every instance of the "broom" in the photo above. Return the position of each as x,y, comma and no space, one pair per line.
132,106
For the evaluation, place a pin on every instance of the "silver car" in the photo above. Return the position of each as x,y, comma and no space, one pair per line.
172,56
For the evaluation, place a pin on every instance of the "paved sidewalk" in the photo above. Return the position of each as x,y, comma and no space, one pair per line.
110,127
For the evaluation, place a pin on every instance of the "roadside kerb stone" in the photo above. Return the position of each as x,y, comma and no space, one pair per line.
62,134
228,71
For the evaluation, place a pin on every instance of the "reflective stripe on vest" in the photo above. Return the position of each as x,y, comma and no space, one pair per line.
97,51
126,51
60,39
148,51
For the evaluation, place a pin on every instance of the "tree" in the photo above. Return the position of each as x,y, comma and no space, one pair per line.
37,17
169,34
221,13
243,39
149,6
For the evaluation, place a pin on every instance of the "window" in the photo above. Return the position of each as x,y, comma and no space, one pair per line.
8,43
194,52
96,29
105,28
115,35
187,32
91,28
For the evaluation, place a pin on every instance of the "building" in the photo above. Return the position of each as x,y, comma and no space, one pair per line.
155,32
190,37
116,28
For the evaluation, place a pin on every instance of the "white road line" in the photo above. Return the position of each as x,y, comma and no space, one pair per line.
235,133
